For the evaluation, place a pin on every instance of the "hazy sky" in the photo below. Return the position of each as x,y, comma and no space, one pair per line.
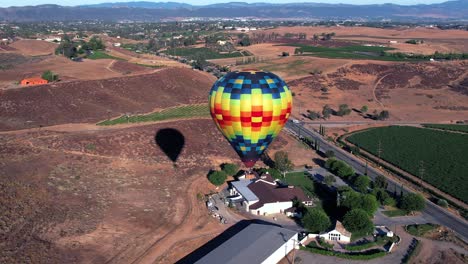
6,3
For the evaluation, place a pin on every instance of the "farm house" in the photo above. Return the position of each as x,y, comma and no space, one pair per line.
264,195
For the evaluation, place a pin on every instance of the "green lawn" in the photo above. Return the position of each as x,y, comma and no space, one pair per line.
441,154
101,55
171,113
302,180
206,53
394,213
460,128
420,230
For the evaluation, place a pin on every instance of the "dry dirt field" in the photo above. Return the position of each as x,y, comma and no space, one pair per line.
147,59
97,100
105,197
435,39
299,153
32,47
431,92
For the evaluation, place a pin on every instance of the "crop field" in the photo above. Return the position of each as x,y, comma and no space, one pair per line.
441,155
205,53
102,55
349,52
460,128
166,114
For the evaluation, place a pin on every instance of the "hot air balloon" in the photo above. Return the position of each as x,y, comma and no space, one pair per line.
250,108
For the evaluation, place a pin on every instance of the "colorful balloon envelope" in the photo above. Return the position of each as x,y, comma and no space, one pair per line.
250,108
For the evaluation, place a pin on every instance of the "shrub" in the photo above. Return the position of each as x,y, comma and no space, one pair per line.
442,202
50,76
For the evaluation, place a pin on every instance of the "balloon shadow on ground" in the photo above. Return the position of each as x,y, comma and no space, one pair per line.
171,142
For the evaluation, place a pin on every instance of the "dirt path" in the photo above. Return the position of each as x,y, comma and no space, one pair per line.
375,88
193,226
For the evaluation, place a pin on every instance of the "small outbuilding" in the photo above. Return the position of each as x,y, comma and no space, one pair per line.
33,81
339,233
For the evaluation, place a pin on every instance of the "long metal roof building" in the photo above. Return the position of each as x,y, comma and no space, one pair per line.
254,244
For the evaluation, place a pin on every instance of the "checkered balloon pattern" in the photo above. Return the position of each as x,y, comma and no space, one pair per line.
250,108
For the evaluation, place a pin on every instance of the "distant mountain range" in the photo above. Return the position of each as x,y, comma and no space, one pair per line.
154,11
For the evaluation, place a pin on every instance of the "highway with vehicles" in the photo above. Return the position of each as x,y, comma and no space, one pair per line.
433,213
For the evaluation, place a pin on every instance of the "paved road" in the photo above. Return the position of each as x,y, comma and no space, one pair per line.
432,212
369,122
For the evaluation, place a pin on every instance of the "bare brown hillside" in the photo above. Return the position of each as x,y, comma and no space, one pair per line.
92,101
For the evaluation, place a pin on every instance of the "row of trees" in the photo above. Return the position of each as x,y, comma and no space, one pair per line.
343,110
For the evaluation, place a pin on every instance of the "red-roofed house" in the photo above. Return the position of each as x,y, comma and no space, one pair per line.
33,81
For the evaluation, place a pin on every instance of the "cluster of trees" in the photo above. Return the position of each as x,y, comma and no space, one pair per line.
324,36
327,111
382,115
437,55
244,40
71,49
415,41
343,110
218,177
339,168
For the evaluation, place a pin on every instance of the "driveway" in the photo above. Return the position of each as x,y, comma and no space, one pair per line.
381,219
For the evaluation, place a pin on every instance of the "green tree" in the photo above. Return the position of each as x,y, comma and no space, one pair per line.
364,109
329,163
314,115
380,182
354,200
217,178
50,76
330,154
343,110
282,162
384,115
245,41
316,221
412,202
381,195
326,111
229,168
345,171
361,183
389,201
96,43
329,179
358,221
369,204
